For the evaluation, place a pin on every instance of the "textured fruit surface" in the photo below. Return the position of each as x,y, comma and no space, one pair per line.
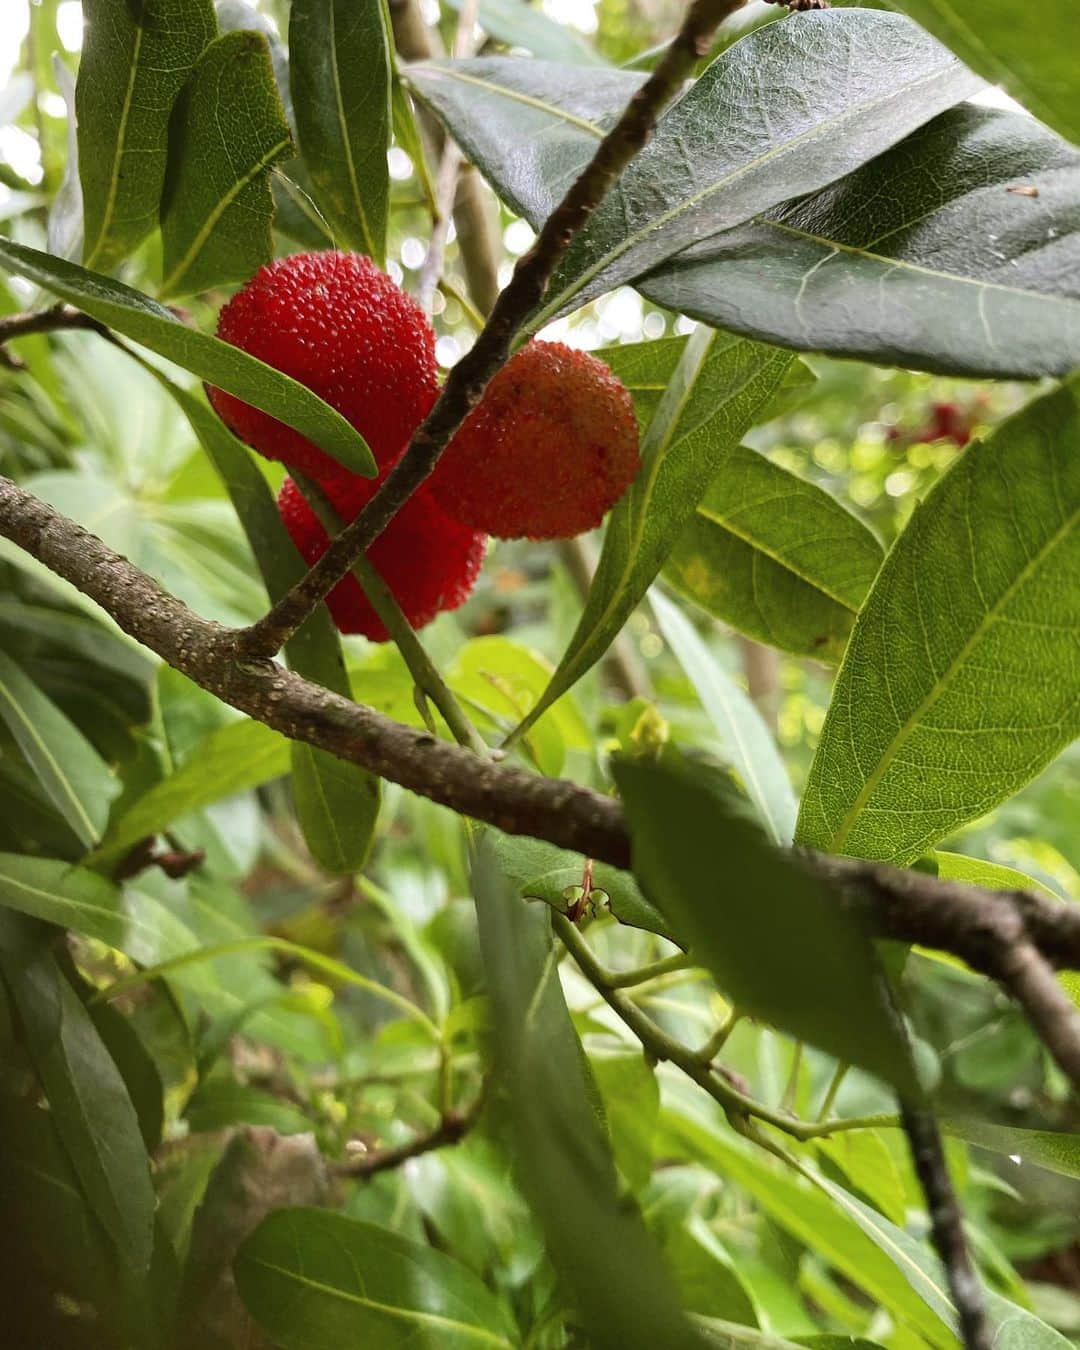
342,327
428,560
550,448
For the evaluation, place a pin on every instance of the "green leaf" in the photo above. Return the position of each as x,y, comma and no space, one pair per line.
563,1163
88,1101
221,1102
717,392
76,778
735,144
776,557
1057,1151
135,59
961,272
228,129
518,24
745,741
337,804
979,872
340,68
712,873
631,1097
314,1279
136,316
234,758
959,681
1031,54
709,1282
815,1220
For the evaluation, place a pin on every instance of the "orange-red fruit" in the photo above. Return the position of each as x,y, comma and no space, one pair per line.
428,560
342,327
551,446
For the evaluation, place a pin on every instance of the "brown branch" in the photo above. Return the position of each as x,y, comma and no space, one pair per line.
451,1129
54,320
1014,937
470,377
947,1224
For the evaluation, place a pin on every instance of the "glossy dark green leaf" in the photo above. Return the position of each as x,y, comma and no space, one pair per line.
745,740
234,758
136,55
970,269
339,60
75,777
519,24
314,1279
1031,53
735,144
776,557
718,391
337,804
959,681
228,129
90,1105
706,866
136,316
566,1172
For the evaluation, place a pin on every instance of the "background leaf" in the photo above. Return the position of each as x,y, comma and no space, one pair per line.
516,23
70,770
228,129
339,61
745,740
960,679
776,557
136,316
135,59
315,1279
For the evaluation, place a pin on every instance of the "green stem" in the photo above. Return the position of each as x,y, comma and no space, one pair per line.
719,1038
787,1101
421,667
833,1088
661,1046
626,979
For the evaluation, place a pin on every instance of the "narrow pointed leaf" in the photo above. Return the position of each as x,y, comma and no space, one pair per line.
960,680
340,68
1031,52
76,778
744,738
314,1279
776,557
88,1101
970,270
563,1161
775,937
337,804
717,392
135,315
136,55
734,144
228,130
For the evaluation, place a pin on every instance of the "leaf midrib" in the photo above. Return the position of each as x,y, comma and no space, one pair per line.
517,96
943,682
343,127
402,1314
114,173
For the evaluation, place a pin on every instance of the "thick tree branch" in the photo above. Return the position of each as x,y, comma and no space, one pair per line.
470,377
1014,937
53,320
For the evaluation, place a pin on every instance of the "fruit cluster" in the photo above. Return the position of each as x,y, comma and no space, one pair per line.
550,447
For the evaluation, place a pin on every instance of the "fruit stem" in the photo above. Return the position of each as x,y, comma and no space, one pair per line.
420,664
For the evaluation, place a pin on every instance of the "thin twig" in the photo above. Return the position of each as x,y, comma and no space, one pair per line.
451,1129
470,377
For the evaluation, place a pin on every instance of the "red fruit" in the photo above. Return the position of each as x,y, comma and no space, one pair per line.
337,324
429,561
551,446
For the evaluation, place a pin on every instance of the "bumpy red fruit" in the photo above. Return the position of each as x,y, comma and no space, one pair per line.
551,446
428,560
342,327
